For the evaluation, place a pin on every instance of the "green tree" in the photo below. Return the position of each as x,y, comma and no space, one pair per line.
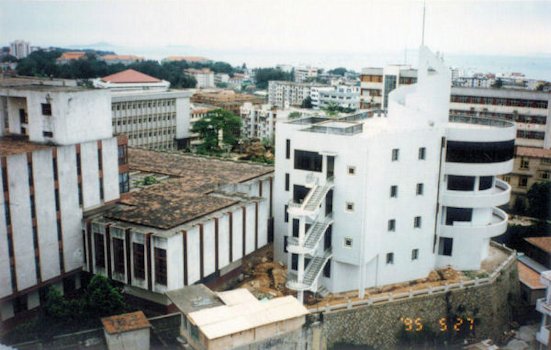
539,200
9,58
263,75
307,103
103,298
498,83
294,115
338,71
212,124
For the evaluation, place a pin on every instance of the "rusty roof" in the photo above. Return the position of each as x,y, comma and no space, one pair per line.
543,243
186,195
13,144
72,55
130,76
125,322
533,152
529,277
121,57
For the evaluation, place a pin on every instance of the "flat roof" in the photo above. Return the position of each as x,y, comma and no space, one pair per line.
187,193
14,144
543,243
193,298
529,277
533,152
125,322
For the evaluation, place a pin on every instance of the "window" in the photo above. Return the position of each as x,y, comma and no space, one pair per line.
445,246
393,191
80,199
545,175
286,214
47,134
160,266
460,183
485,182
124,183
100,160
395,154
299,193
57,200
296,227
507,179
391,227
419,190
285,243
348,242
522,181
79,168
524,163
46,109
122,154
118,255
139,260
327,269
350,206
327,239
310,161
422,153
351,170
458,214
287,182
20,304
287,149
417,222
99,250
390,258
479,152
294,262
415,254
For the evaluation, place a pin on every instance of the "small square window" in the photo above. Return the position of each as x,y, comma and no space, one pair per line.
348,242
393,191
523,181
46,109
419,189
390,258
351,170
415,254
48,134
422,153
350,206
395,154
417,222
392,225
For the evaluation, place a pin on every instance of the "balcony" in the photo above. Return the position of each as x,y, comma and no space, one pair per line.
543,307
496,196
496,226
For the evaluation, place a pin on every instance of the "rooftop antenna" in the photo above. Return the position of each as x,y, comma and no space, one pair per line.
423,32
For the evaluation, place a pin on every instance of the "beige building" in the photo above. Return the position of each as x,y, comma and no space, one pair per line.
531,165
236,319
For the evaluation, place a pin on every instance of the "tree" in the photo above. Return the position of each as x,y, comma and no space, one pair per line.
294,115
539,200
212,124
338,71
102,298
263,75
307,103
498,83
9,58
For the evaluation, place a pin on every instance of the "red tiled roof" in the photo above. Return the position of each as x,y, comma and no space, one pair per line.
71,55
543,243
130,76
121,57
529,277
125,322
533,152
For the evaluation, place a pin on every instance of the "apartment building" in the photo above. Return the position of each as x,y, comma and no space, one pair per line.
543,336
377,83
258,121
58,159
20,49
529,110
348,218
225,99
204,77
284,94
144,109
305,73
532,165
195,224
343,96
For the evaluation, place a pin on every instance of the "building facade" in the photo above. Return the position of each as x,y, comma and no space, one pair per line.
284,94
305,73
258,121
59,159
543,336
204,77
343,96
20,49
377,83
348,218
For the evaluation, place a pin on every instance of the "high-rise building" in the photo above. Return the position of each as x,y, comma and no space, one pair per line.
58,159
368,201
377,83
20,48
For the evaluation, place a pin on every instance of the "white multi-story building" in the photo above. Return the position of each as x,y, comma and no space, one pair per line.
284,94
377,83
59,159
259,121
347,217
543,305
144,109
204,77
343,96
303,73
20,48
315,94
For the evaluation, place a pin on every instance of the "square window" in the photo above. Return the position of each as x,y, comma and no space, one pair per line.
47,134
445,246
390,258
348,242
420,189
350,206
351,170
392,225
415,254
395,154
422,153
417,222
523,181
46,109
393,191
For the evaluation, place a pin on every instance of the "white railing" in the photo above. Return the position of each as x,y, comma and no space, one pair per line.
390,297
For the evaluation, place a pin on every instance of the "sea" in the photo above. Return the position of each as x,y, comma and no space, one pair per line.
533,67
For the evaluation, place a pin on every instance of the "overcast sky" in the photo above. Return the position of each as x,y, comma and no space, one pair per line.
471,27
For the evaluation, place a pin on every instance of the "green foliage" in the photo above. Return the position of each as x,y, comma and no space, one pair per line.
519,206
221,85
539,200
333,109
338,71
210,126
294,115
307,103
103,298
9,58
498,83
263,75
150,180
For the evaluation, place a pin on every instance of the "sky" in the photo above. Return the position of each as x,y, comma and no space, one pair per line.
516,28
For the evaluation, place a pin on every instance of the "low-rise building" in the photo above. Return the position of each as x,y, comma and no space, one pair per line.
127,331
121,59
258,121
67,57
204,77
225,99
342,96
195,223
284,94
235,319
